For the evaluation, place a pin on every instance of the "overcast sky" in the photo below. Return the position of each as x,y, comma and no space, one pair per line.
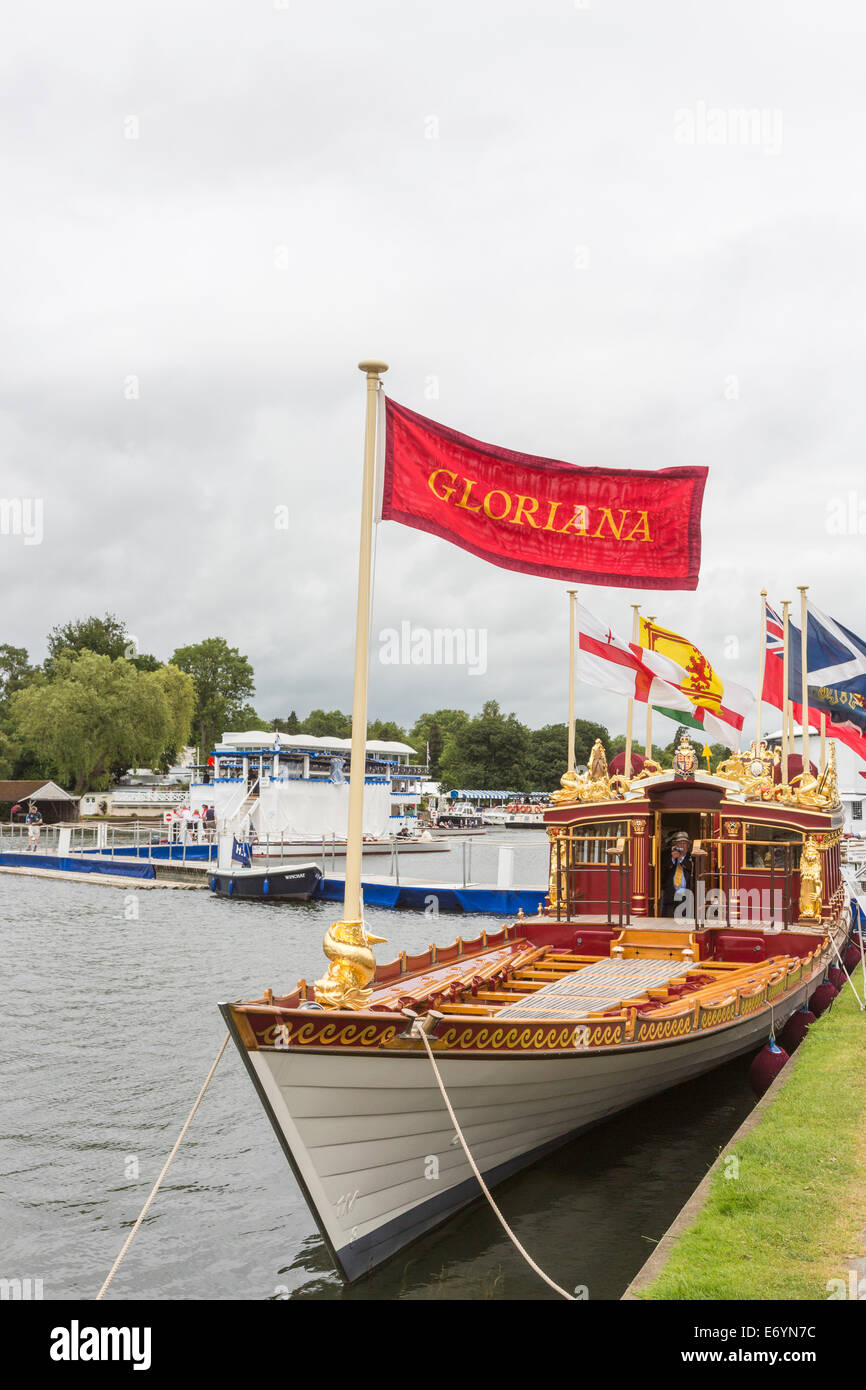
213,210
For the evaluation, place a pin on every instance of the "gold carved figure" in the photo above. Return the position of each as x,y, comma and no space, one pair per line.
352,968
811,881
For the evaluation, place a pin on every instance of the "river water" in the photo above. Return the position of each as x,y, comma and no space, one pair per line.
109,1026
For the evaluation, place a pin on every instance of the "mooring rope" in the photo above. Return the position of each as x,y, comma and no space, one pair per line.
850,981
116,1266
419,1032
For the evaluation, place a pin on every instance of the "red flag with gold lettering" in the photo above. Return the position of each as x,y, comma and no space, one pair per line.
633,528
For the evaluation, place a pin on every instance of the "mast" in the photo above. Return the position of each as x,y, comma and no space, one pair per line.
648,747
786,604
572,604
762,657
355,831
804,676
635,632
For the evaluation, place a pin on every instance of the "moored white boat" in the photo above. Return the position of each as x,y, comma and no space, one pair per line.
687,916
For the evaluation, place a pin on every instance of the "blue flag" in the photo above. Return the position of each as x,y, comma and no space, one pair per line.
241,853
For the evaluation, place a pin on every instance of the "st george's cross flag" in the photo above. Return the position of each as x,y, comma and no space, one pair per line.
626,668
836,661
720,707
629,527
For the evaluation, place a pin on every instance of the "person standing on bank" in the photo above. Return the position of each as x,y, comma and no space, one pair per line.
34,824
676,874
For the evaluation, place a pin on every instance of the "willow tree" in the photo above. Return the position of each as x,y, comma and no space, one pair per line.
97,715
224,682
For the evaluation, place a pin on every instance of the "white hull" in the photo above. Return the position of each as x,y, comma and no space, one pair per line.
369,1138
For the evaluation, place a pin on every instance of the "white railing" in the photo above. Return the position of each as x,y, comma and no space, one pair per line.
228,817
136,796
108,840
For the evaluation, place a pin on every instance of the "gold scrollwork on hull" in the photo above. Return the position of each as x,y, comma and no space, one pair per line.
570,1037
283,1035
657,1029
711,1017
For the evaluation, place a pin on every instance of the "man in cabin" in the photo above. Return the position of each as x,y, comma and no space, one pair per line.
676,874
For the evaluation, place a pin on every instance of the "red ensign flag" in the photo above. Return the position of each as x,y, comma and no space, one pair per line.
634,528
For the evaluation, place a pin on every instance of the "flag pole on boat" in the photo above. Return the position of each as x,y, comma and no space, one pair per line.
804,673
635,632
786,604
355,834
762,657
572,604
648,750
347,944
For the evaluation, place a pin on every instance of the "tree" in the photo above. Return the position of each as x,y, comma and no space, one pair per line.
245,719
617,745
490,752
7,756
15,673
97,714
107,636
292,725
386,731
145,662
548,752
179,691
327,724
435,729
224,681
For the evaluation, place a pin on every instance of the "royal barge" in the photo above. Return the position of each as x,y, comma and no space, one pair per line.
688,916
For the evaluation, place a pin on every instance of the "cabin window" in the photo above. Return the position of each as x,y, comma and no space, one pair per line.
762,841
590,840
856,810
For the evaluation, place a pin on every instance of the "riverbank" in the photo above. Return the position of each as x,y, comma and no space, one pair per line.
782,1212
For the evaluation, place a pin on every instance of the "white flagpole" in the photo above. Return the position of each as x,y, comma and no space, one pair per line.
804,682
648,750
761,665
635,630
786,604
572,604
355,831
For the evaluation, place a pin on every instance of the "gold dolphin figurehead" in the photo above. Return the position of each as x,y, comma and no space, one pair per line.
353,966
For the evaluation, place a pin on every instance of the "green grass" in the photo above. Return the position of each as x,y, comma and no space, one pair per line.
796,1214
